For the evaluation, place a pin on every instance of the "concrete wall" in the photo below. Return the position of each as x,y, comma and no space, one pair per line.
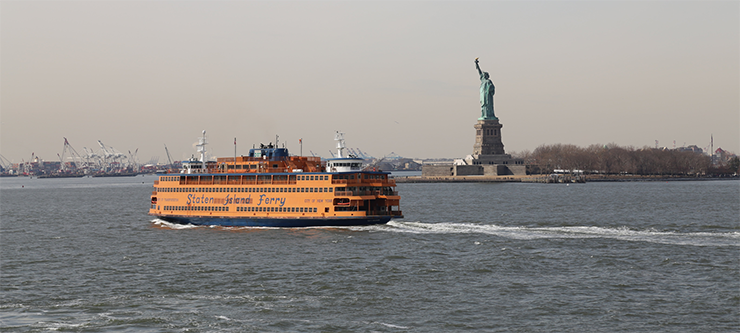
468,170
472,170
443,170
519,170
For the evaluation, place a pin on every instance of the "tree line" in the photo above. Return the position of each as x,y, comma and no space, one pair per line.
613,159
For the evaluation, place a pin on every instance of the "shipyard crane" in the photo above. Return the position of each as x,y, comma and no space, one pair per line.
91,155
111,155
76,158
5,163
62,167
133,162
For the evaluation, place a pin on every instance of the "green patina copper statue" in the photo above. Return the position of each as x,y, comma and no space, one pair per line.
486,94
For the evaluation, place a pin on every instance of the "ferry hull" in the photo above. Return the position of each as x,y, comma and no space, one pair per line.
276,222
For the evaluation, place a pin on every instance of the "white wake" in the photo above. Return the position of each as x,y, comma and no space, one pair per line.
527,233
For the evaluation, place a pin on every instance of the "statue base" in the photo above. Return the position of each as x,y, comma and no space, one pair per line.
488,138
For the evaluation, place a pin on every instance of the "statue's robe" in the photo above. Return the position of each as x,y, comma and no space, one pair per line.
487,91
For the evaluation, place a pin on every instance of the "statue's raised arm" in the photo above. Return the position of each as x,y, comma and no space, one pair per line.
478,67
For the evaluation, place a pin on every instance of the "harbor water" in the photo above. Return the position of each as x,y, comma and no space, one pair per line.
82,255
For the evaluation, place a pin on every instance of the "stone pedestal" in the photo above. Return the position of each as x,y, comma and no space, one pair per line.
488,138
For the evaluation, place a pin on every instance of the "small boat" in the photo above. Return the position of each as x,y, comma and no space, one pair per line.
271,188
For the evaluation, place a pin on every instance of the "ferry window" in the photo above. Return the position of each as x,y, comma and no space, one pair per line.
330,189
311,177
301,210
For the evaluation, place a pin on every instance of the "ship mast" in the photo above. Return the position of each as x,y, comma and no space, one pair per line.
339,137
201,147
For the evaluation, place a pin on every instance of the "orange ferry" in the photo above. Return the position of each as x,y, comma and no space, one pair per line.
270,188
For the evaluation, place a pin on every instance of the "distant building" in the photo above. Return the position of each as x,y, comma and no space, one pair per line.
692,148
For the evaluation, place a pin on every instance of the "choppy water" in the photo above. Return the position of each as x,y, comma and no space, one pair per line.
82,255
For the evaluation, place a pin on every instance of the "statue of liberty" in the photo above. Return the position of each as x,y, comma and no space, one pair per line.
487,89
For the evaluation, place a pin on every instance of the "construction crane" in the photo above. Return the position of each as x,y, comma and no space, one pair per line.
169,158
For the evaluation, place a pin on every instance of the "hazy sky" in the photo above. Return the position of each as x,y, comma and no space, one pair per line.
394,76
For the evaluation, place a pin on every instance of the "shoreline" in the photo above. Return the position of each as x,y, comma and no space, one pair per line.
543,179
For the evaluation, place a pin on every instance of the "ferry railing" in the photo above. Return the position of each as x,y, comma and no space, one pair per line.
364,193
